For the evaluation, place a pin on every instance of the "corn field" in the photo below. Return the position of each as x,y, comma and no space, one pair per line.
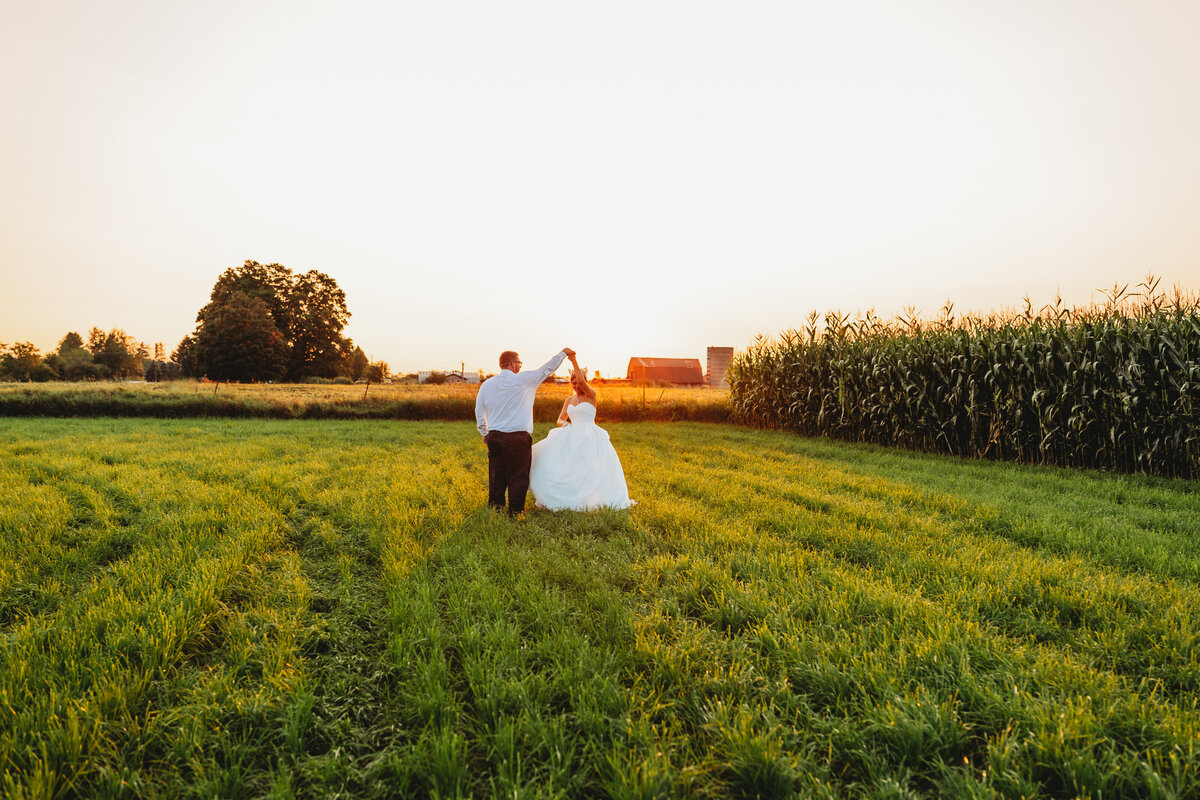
1112,386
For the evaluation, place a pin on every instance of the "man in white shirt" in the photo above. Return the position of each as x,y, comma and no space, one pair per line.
504,416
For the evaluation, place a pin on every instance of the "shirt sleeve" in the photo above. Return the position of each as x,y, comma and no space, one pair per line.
545,370
481,412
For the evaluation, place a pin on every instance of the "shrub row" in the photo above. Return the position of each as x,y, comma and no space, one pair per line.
83,403
1114,387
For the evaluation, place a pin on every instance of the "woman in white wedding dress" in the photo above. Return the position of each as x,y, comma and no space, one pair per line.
575,467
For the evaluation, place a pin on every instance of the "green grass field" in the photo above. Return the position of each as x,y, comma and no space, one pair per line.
258,608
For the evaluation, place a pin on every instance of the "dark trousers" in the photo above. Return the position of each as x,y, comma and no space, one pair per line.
509,456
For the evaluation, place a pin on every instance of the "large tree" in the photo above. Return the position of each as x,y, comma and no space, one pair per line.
319,315
308,309
72,341
118,355
237,341
73,362
376,371
271,283
95,342
187,358
23,362
357,362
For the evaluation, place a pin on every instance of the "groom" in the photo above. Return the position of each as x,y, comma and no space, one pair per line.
504,416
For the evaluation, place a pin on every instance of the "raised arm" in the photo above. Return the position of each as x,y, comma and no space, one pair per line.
583,388
545,370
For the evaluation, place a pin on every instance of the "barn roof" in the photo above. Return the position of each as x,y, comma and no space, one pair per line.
666,363
673,370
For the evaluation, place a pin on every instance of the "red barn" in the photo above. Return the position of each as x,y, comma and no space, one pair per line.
671,370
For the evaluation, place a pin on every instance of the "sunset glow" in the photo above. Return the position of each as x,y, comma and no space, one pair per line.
624,178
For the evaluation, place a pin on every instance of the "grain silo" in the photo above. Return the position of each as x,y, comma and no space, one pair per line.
718,366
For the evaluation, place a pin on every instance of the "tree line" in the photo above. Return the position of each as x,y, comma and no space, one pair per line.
263,322
111,355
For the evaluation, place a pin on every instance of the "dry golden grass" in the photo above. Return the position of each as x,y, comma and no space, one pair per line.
309,392
387,401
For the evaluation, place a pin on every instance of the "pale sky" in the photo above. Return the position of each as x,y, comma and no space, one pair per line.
642,178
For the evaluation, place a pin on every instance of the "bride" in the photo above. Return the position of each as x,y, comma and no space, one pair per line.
575,466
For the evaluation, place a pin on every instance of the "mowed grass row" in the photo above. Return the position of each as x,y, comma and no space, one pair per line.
283,609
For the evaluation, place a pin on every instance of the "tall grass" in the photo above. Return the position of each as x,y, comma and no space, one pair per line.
1113,387
186,399
236,608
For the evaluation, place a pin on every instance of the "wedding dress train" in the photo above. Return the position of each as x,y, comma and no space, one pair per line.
575,467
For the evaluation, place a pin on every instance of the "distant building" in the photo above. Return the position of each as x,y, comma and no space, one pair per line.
452,376
684,371
718,366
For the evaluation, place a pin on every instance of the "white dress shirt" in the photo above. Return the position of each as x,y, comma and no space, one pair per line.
505,401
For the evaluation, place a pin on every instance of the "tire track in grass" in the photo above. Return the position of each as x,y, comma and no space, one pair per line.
1135,625
323,723
218,723
490,686
342,718
758,645
513,640
74,684
285,690
163,674
885,680
376,633
1131,523
861,656
363,517
60,528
